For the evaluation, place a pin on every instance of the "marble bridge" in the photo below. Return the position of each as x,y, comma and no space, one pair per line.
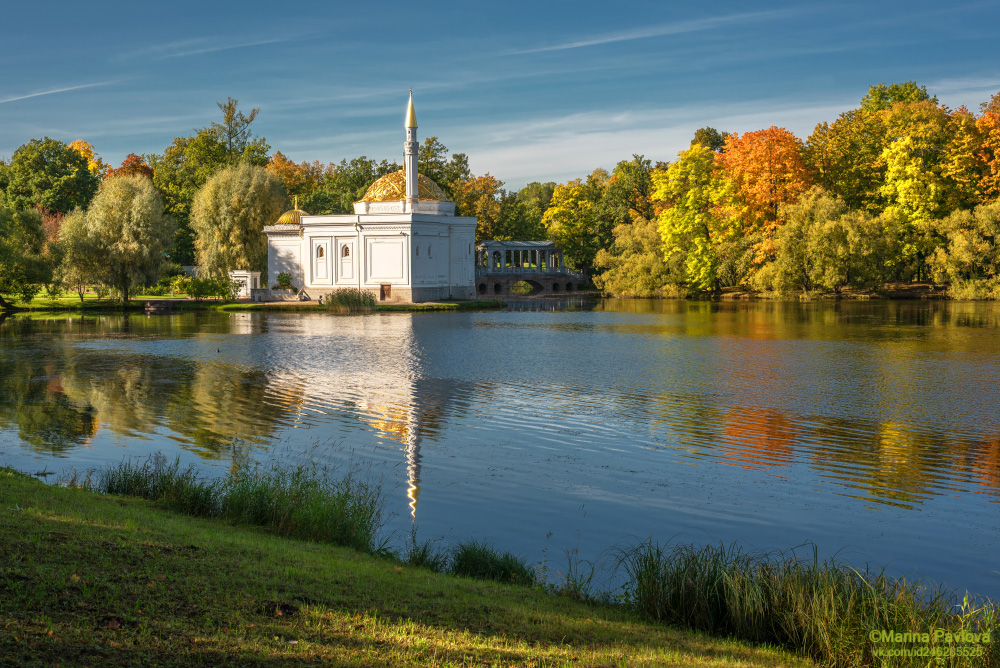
502,264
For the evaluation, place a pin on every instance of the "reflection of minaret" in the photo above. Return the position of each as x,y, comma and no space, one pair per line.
410,150
413,463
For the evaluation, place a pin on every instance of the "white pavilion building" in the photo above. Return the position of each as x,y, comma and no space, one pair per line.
403,241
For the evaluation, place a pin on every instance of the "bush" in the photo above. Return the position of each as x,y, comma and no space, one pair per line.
483,562
283,282
351,300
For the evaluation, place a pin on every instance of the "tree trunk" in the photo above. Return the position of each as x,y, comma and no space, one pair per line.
4,305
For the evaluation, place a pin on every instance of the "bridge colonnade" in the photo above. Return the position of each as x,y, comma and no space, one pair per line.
519,257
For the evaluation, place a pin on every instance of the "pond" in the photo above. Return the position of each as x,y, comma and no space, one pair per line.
867,429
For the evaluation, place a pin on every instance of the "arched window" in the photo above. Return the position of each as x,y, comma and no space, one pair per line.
428,250
347,251
320,253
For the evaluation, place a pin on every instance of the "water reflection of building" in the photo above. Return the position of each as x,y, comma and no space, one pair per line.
372,370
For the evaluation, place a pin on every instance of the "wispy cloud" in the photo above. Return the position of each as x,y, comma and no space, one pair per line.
193,47
58,90
675,28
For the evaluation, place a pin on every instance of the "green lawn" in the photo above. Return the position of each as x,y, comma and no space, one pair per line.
90,580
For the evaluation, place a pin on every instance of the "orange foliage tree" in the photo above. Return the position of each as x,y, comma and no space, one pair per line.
132,165
988,126
480,196
299,178
762,171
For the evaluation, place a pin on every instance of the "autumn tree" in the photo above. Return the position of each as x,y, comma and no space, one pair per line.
23,268
571,219
691,225
132,165
229,215
94,162
988,154
479,197
764,169
846,158
50,174
300,179
126,226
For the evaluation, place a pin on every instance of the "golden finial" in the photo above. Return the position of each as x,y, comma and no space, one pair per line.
411,115
296,200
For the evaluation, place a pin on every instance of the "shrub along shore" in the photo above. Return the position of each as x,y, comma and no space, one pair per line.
151,563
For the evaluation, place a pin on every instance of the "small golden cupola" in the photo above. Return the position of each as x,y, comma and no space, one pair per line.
293,216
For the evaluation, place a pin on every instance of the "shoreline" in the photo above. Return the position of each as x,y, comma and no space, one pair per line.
92,573
99,580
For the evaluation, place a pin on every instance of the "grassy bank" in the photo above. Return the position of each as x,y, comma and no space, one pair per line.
94,580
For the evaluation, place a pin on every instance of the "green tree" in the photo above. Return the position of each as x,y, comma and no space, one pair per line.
344,184
188,162
229,215
884,96
127,226
236,136
710,138
969,258
48,173
450,174
634,266
846,157
23,268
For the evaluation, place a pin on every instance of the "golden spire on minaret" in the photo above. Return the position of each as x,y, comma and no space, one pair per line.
411,115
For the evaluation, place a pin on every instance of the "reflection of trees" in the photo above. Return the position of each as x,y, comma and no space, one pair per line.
31,399
58,394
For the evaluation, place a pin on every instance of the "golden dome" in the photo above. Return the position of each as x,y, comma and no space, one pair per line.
291,217
392,187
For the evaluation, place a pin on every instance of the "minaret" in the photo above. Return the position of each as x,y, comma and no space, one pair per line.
410,149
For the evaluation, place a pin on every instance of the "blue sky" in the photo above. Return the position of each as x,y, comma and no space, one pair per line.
530,91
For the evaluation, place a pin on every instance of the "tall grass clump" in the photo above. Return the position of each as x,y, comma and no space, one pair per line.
351,300
305,501
425,555
824,609
482,561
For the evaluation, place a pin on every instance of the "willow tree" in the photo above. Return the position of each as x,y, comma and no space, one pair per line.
229,215
130,233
